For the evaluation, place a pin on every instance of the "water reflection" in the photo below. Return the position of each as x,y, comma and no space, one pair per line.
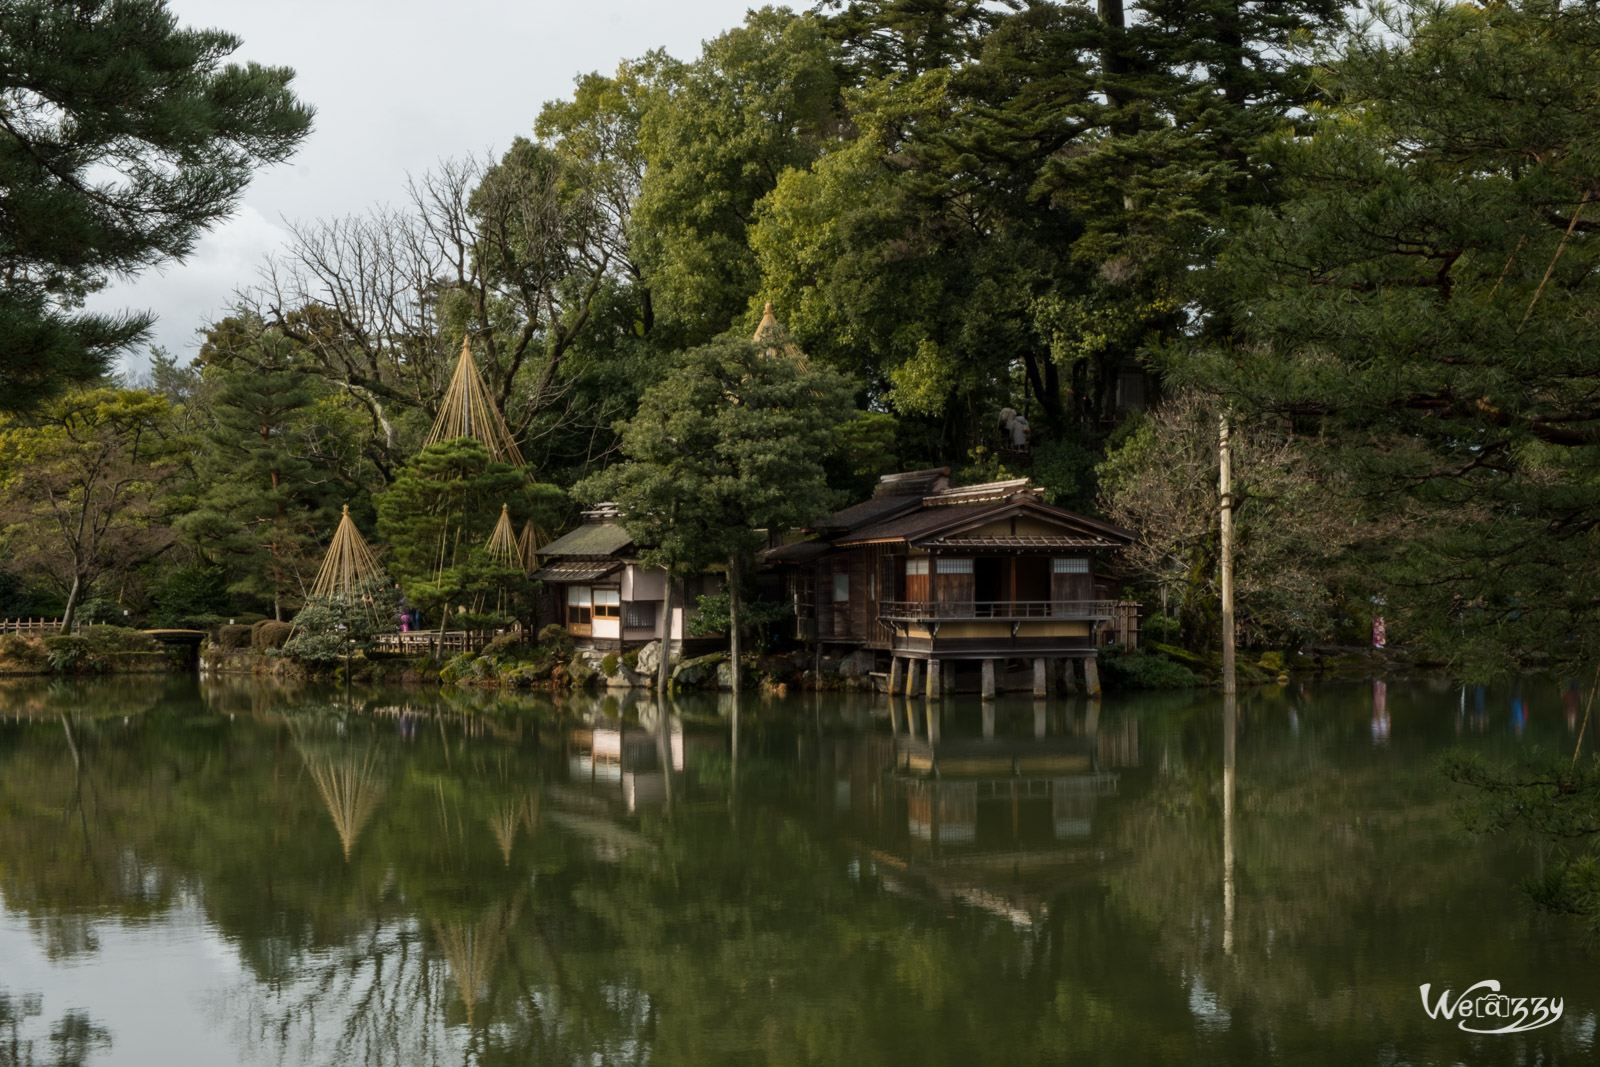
411,878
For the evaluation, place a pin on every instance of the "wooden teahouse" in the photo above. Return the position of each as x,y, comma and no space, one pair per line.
601,594
930,577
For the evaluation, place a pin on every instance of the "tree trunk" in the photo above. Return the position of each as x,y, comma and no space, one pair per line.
735,645
72,604
664,671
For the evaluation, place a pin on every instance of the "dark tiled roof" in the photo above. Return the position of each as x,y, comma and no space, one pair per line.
575,571
927,522
868,511
799,552
591,539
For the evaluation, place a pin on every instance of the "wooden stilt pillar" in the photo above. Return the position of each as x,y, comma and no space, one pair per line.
913,677
1091,676
935,686
1041,684
896,676
1069,676
988,680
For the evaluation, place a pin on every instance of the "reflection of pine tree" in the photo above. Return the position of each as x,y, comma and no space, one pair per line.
472,951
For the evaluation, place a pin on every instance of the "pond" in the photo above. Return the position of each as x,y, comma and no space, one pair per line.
217,871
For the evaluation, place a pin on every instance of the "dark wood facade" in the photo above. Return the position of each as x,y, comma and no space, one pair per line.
927,573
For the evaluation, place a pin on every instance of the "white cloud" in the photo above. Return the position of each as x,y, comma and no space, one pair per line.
397,87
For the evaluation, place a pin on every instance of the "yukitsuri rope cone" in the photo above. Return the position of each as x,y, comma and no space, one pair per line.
468,411
534,537
503,543
349,562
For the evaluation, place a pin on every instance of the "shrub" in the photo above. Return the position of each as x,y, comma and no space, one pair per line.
269,633
235,636
608,665
104,639
22,649
328,629
1144,670
507,646
556,638
64,652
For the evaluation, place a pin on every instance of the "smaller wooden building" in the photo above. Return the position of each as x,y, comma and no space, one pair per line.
600,593
929,576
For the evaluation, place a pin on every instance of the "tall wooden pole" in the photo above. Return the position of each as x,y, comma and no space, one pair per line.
1225,488
735,644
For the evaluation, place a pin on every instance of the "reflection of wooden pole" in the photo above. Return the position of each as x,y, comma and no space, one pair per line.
1230,717
1225,490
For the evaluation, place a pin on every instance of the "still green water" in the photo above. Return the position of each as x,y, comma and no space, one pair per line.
217,872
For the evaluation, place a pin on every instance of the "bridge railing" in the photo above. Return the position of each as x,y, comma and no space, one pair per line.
30,626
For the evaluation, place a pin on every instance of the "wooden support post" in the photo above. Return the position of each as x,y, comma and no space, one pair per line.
1225,550
1041,685
896,676
935,686
1091,676
1069,676
988,680
913,677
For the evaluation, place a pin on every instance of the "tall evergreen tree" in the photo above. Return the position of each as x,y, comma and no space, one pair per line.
123,137
729,445
261,502
436,519
1423,302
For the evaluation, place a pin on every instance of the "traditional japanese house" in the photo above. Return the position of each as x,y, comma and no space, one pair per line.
930,577
600,593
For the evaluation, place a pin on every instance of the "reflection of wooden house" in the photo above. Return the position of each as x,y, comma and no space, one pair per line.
601,594
929,575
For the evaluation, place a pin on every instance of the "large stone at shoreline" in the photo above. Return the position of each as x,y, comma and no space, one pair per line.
857,664
698,673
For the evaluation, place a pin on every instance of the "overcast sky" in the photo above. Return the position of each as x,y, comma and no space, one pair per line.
397,85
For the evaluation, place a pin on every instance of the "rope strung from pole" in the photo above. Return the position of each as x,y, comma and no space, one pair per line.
348,564
534,537
503,542
469,411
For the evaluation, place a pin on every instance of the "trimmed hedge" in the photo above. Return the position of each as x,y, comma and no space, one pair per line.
236,636
269,633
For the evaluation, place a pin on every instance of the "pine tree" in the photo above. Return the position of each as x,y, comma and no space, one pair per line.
437,519
122,139
261,503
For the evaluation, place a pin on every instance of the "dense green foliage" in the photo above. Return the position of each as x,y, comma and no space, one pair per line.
1370,245
437,518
